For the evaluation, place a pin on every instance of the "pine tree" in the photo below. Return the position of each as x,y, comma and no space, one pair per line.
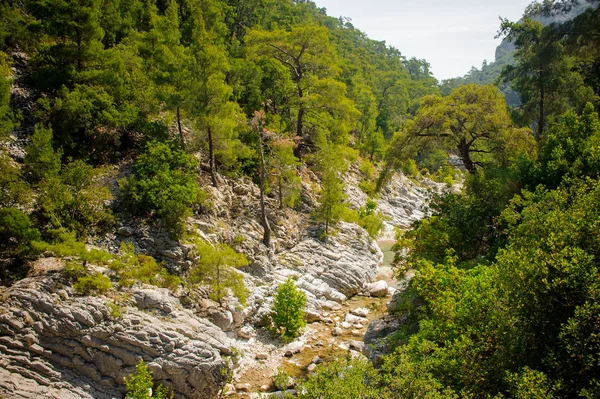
288,310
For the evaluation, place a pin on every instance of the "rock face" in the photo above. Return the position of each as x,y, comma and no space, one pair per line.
329,272
66,346
403,201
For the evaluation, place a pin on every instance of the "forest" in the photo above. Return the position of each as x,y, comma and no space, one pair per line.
505,301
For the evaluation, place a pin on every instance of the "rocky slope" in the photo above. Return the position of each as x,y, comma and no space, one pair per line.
55,343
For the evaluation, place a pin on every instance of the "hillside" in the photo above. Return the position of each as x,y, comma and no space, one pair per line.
489,73
247,199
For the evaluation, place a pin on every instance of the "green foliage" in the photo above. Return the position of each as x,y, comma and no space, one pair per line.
40,158
131,267
531,384
64,244
14,192
370,219
522,326
16,233
331,199
216,268
76,198
410,168
7,116
115,310
164,186
283,173
544,74
281,380
139,385
342,379
95,283
288,310
570,149
463,222
74,270
367,183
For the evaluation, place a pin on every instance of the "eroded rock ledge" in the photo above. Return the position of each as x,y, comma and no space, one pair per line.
55,344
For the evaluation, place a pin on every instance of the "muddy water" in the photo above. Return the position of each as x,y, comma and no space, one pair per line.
318,336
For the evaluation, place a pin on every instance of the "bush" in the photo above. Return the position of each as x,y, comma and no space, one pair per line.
76,198
95,283
164,186
342,379
75,270
41,159
16,233
216,268
139,385
410,169
281,380
131,267
14,192
288,310
370,220
65,244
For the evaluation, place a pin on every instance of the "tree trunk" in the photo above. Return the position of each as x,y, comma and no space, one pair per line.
300,126
540,127
180,129
263,209
279,182
465,156
211,160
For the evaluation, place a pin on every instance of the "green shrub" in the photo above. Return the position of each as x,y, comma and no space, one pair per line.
164,186
370,220
281,379
16,233
95,283
139,385
131,267
65,244
40,158
75,270
288,310
115,310
409,168
7,116
368,187
216,268
343,379
76,199
14,192
350,216
367,183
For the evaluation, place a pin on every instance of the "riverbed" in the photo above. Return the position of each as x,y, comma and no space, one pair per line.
319,340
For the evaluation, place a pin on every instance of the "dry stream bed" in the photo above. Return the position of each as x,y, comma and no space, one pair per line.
263,355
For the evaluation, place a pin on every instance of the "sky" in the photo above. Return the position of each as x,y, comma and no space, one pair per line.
452,36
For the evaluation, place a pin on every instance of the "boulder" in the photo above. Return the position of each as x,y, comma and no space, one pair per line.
352,319
246,332
157,298
221,318
360,312
377,289
293,348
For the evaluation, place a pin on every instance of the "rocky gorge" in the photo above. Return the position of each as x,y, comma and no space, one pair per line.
57,343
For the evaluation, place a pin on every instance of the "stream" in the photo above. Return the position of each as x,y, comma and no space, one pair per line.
319,340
